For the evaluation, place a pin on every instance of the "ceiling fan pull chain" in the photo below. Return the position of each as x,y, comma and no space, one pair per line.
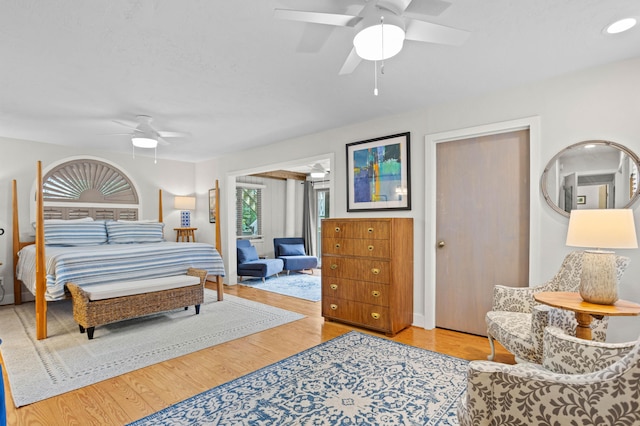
382,44
375,78
155,155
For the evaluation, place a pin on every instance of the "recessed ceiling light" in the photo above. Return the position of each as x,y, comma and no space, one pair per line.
621,26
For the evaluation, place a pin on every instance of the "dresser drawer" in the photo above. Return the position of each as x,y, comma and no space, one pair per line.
370,229
365,292
356,268
357,247
357,313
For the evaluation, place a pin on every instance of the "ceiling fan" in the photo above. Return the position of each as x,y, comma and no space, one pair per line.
144,135
382,26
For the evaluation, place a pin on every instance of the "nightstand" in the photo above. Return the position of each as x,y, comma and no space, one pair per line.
185,234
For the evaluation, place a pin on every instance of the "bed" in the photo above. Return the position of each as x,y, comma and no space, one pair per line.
94,251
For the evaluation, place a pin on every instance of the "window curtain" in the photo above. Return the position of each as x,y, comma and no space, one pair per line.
309,219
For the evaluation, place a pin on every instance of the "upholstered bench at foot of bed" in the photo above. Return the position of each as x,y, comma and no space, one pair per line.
101,304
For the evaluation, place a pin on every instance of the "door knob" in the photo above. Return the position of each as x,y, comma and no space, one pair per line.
440,244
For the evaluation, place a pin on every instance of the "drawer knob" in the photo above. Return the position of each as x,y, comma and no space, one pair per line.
334,266
375,271
337,229
370,230
370,248
375,293
337,245
334,286
375,315
334,306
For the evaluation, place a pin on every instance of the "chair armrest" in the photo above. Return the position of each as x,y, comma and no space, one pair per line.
539,322
526,394
567,354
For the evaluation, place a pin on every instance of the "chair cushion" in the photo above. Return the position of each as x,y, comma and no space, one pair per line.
247,254
513,331
298,263
261,268
292,250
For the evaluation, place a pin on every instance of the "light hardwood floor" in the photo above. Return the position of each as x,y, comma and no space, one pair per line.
134,395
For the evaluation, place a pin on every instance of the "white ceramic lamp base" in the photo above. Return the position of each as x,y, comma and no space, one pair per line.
598,281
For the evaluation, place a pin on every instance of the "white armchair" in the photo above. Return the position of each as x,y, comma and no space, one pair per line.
517,321
602,389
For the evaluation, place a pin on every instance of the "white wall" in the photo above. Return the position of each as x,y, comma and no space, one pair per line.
599,103
19,160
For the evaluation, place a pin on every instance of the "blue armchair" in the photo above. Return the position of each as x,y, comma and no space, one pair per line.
292,252
250,265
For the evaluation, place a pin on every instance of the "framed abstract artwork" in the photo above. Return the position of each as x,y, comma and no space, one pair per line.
379,174
212,206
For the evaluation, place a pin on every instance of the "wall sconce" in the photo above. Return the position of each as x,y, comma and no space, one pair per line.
185,204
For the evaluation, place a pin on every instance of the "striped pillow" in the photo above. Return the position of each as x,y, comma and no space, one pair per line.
74,233
135,232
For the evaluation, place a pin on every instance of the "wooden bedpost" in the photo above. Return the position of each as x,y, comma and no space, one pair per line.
160,205
217,213
17,285
41,303
219,282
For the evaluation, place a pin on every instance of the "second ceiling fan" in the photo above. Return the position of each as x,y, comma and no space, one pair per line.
382,28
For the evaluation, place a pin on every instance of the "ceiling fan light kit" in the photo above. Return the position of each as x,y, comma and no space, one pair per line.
317,171
380,38
144,142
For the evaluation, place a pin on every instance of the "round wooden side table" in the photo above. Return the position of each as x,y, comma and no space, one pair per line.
585,311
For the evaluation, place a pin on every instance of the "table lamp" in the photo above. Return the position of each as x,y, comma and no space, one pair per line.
601,229
185,204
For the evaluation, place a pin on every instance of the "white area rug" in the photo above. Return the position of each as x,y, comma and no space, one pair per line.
354,379
300,285
67,360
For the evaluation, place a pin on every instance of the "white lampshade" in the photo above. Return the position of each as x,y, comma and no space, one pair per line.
185,203
602,228
144,142
377,41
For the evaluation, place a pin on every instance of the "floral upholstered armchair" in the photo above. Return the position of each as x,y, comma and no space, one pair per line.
580,382
517,321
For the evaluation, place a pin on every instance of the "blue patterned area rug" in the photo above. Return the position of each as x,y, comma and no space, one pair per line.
300,285
353,379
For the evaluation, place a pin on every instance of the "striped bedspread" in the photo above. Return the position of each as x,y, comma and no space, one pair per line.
115,262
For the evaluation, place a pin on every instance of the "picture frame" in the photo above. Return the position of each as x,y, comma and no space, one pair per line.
581,199
379,174
212,205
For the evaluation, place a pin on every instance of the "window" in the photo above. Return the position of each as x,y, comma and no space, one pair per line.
248,211
322,203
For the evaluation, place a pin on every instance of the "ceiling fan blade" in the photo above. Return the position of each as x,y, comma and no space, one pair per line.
162,142
125,124
334,19
172,134
396,6
353,60
434,33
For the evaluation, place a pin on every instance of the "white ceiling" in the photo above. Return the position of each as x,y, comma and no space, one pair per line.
234,77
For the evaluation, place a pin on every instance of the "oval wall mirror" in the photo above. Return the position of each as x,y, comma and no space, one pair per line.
593,174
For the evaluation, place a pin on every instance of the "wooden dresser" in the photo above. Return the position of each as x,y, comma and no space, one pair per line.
367,272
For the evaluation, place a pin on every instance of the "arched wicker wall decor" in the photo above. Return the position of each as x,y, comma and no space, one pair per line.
88,181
